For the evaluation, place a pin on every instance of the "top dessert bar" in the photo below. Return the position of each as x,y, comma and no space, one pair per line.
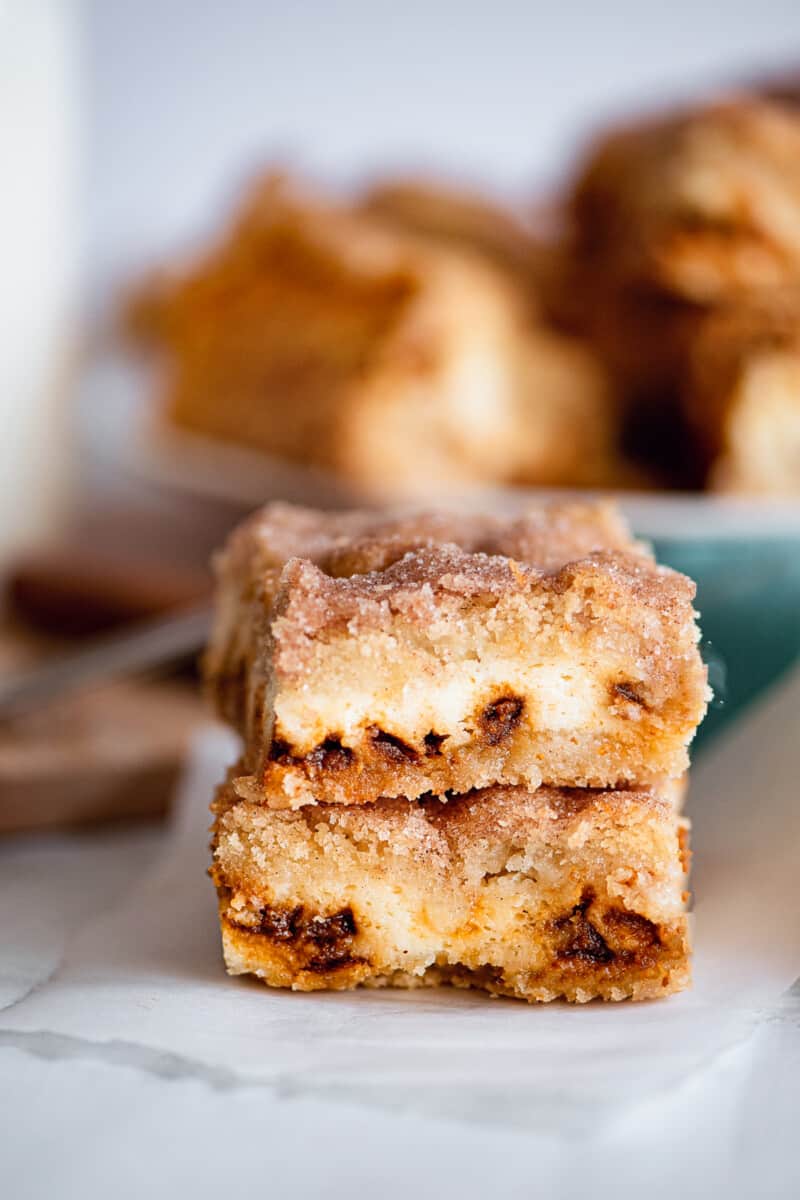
363,655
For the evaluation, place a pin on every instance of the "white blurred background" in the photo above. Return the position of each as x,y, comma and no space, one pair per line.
184,97
128,127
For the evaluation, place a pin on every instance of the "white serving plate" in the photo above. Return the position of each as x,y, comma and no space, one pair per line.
191,464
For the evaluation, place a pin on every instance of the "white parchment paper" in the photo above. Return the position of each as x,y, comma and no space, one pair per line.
144,980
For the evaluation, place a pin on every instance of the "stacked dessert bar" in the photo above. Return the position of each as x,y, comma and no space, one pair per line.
464,745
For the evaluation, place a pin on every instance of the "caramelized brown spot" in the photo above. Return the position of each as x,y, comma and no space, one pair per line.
281,924
632,933
322,964
280,751
627,691
323,930
331,939
579,940
433,744
499,719
330,755
393,748
318,943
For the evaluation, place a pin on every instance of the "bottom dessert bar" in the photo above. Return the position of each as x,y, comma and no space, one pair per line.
554,893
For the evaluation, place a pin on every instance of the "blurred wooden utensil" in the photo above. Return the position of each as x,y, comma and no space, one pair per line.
146,647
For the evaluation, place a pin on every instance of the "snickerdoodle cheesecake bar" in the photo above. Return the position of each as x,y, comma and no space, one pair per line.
363,655
535,894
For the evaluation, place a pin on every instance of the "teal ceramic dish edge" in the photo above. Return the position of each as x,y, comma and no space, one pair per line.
748,597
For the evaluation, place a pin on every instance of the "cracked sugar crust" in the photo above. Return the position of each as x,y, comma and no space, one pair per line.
362,542
433,583
531,894
381,669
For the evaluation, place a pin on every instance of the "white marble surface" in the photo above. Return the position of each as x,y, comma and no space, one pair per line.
88,1129
127,1060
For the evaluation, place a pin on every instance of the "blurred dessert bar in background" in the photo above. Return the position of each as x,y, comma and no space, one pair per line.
704,204
683,248
430,706
742,398
422,338
467,219
403,363
362,656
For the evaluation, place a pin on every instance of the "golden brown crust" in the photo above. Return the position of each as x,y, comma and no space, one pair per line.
650,965
538,895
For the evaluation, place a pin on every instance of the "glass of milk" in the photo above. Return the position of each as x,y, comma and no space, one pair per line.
39,152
